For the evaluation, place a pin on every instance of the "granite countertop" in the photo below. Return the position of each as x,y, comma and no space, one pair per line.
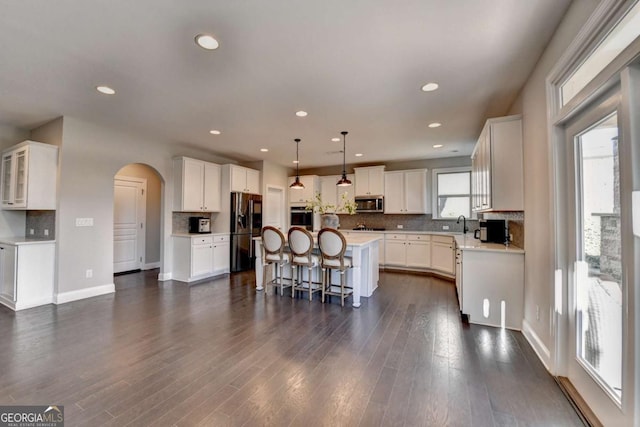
467,242
198,234
21,240
405,231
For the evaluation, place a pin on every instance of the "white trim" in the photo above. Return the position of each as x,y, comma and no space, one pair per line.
434,190
162,277
151,265
95,291
536,343
635,212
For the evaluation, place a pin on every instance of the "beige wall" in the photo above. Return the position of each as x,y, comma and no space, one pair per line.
532,104
153,208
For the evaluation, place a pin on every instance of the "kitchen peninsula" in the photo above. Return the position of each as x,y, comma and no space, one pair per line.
363,276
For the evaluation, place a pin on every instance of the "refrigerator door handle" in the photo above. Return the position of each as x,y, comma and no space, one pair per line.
250,205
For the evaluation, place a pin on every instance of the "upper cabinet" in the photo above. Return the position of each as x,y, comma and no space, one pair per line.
245,180
299,197
405,192
369,181
29,172
332,194
497,168
197,185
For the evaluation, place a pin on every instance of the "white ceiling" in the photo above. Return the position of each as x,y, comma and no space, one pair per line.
354,65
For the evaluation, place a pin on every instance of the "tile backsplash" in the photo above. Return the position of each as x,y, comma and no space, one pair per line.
39,221
408,222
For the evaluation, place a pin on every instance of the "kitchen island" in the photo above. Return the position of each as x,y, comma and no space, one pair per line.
363,275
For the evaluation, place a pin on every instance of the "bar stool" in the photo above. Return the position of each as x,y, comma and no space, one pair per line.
273,254
332,248
301,246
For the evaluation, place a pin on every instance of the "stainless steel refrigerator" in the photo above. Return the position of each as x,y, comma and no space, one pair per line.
246,223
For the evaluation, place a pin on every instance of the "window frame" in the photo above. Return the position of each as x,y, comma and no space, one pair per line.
435,195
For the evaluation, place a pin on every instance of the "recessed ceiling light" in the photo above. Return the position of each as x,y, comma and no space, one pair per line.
430,87
435,125
106,90
206,41
264,150
438,146
295,161
359,154
301,113
335,139
214,132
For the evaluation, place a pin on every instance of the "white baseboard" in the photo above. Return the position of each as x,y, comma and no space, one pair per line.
151,265
95,291
538,346
164,277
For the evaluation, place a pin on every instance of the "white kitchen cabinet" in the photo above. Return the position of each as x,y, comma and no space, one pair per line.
29,175
197,257
221,254
443,254
299,197
408,250
405,192
497,166
331,193
245,180
197,185
369,181
23,285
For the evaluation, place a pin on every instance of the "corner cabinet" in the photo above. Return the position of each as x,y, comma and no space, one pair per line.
405,192
244,180
197,185
369,181
29,175
443,255
497,166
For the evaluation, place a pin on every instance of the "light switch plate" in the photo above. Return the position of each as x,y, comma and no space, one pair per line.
84,222
400,226
445,227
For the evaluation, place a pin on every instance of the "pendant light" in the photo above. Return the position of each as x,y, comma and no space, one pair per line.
344,182
297,185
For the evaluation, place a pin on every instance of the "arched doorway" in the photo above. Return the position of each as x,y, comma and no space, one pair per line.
137,217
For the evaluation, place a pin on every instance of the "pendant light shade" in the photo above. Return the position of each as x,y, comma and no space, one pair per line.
344,182
297,185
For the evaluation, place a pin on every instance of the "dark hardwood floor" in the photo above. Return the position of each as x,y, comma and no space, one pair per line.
218,353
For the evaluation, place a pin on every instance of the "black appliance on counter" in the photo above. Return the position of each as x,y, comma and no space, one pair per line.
246,223
199,225
492,231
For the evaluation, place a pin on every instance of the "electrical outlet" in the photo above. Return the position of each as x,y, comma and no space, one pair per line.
445,227
46,232
89,274
510,237
31,231
400,226
538,313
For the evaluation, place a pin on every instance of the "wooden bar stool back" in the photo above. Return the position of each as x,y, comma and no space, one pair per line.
333,245
301,247
273,245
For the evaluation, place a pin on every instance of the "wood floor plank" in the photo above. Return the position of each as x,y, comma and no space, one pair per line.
219,353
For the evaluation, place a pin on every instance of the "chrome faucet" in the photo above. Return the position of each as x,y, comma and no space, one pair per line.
464,224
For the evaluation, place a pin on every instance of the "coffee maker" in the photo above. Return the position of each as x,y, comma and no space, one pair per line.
492,231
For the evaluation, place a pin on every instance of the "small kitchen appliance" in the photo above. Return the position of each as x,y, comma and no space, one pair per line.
199,225
491,231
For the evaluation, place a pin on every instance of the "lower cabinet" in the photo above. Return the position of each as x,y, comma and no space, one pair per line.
200,256
26,274
443,254
408,250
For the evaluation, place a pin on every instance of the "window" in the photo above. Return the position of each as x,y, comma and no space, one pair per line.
452,192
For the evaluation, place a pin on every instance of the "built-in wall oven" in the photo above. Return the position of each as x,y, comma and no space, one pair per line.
302,218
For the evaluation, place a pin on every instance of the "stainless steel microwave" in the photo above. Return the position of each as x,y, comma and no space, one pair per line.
370,204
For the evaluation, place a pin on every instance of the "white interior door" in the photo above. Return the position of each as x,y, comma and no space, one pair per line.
274,207
129,226
598,324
